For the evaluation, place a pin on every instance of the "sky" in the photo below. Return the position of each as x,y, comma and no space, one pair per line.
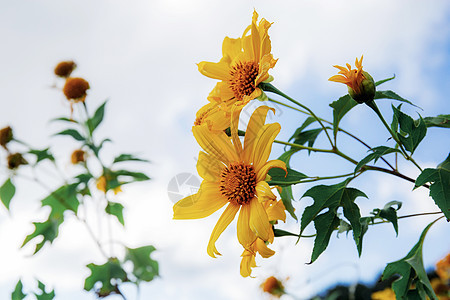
142,55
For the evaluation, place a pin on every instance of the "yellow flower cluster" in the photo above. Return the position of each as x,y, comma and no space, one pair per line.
234,172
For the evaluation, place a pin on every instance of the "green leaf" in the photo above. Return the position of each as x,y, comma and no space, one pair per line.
48,229
144,268
64,119
42,154
325,224
7,191
97,118
414,131
439,121
384,80
280,232
105,274
18,294
43,294
340,107
389,213
127,157
410,267
305,124
287,198
281,178
332,197
115,209
375,155
391,95
73,133
137,176
64,198
440,187
307,137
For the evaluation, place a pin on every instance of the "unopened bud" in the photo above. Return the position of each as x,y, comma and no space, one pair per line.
366,91
6,135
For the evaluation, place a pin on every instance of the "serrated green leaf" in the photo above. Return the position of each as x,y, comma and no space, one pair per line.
393,96
115,209
375,155
332,197
440,187
104,274
384,80
42,155
415,132
128,157
144,267
97,118
307,137
48,230
64,198
73,133
341,107
7,191
43,295
281,178
409,268
325,224
18,294
439,121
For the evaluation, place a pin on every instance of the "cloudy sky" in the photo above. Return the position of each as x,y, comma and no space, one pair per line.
142,55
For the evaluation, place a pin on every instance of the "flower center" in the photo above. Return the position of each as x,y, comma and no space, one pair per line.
238,183
243,76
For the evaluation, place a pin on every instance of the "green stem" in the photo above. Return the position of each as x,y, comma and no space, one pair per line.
392,172
270,88
313,179
374,107
409,216
301,147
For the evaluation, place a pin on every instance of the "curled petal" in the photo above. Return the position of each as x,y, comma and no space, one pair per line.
259,222
263,192
262,172
277,211
224,220
262,249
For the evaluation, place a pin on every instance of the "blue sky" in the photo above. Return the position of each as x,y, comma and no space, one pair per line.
142,54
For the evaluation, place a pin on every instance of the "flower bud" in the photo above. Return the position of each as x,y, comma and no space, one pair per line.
273,286
75,88
6,135
65,68
366,91
15,160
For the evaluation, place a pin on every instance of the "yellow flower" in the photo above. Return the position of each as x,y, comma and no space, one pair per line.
361,86
77,156
212,116
273,286
386,294
234,176
443,268
245,64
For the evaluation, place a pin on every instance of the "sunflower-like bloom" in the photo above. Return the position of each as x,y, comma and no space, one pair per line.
234,176
245,64
361,86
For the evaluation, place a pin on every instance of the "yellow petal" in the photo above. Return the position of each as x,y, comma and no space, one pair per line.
217,145
255,124
263,192
235,112
247,263
224,220
338,78
220,70
277,211
263,144
245,235
231,47
263,250
208,167
256,42
259,222
262,172
207,201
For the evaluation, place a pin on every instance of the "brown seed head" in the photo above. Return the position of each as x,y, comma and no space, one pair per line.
75,88
6,135
77,156
65,68
15,160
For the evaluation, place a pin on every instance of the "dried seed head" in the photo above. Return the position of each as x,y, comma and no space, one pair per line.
15,160
6,135
65,68
77,156
75,88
